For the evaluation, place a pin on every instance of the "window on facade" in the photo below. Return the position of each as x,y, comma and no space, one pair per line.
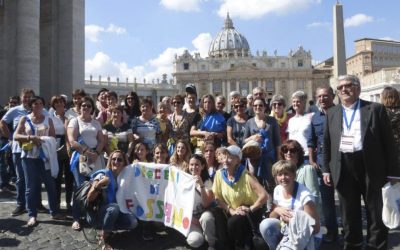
301,84
232,65
203,67
300,63
270,85
232,85
283,65
217,88
244,88
186,66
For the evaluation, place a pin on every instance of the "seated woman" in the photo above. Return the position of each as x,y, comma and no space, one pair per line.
305,174
289,196
203,225
237,192
180,157
160,154
109,217
211,159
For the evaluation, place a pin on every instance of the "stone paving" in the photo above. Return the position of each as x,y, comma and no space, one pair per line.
51,234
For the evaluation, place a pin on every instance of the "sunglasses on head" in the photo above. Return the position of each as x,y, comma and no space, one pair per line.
117,159
290,150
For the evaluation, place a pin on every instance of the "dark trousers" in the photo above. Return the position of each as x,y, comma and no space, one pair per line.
66,174
354,184
328,206
233,232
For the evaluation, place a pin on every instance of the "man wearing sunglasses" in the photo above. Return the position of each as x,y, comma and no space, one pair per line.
358,158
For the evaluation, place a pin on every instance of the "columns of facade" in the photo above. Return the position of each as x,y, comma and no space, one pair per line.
27,45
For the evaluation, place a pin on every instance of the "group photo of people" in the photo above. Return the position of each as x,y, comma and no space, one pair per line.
267,169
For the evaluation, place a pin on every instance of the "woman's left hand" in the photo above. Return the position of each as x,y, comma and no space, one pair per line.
242,210
199,181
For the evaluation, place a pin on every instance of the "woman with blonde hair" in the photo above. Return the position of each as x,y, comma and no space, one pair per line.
109,217
181,156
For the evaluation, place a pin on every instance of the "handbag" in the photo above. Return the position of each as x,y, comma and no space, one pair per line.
85,168
80,198
257,239
28,146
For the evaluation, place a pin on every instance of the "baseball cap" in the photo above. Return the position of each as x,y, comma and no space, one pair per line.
235,150
190,88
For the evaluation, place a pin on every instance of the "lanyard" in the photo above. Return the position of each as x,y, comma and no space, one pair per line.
348,125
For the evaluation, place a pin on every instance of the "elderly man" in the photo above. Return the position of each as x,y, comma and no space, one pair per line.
358,157
315,142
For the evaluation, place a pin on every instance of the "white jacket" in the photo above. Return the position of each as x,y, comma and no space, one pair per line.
49,147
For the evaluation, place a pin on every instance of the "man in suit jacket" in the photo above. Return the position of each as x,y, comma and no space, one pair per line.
359,157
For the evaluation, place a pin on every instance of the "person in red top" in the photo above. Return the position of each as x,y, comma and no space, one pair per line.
278,105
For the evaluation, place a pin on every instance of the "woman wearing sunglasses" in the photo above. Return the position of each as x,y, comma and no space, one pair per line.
236,125
306,174
109,217
278,105
86,137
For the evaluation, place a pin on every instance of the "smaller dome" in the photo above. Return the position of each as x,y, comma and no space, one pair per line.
228,42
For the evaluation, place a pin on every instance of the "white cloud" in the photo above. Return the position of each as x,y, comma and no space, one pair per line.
318,24
202,43
250,9
182,5
92,31
357,20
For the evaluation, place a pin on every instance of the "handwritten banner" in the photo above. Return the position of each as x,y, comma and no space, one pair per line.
157,192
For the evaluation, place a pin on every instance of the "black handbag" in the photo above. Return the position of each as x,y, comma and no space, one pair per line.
257,239
80,198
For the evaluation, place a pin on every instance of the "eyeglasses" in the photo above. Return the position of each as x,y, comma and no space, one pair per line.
221,103
277,104
345,86
86,105
177,103
289,150
117,159
238,106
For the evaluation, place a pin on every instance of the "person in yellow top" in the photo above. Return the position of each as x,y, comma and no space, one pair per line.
237,193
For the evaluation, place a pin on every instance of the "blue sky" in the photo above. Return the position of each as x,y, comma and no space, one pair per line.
139,38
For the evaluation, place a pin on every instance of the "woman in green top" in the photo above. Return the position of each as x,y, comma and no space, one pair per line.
237,193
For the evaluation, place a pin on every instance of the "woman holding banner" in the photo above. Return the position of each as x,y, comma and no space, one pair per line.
180,157
108,217
203,224
239,195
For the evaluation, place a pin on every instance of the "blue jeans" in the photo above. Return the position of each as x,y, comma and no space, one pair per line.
4,174
35,173
270,230
20,183
328,206
110,218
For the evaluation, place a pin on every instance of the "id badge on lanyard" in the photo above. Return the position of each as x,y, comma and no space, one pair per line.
347,141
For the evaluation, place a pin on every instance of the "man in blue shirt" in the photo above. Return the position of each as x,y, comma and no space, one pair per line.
315,141
12,117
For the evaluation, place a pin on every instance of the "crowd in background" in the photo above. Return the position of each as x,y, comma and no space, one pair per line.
258,164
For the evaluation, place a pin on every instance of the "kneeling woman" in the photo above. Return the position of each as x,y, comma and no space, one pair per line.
289,196
203,225
109,217
237,192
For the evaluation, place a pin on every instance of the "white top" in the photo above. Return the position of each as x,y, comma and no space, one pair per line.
298,128
355,129
303,197
87,130
41,129
198,202
58,124
70,113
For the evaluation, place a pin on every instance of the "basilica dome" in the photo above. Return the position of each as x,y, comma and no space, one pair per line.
229,43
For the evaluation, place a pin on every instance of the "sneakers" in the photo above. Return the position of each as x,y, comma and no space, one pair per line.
18,211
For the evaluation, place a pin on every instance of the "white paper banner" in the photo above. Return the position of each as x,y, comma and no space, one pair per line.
145,188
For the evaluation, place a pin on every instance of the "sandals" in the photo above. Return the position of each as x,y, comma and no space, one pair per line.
32,222
76,226
104,243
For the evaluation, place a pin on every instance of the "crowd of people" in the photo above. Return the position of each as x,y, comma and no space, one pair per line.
259,165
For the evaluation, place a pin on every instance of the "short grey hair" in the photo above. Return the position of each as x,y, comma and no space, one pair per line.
278,98
300,95
220,97
234,93
350,78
